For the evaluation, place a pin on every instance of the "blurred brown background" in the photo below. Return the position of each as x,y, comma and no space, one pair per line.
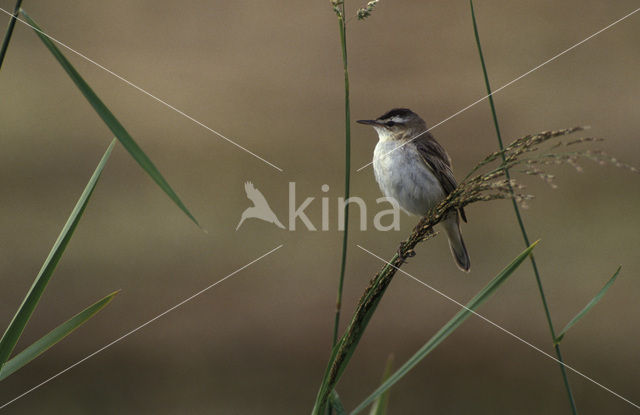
268,75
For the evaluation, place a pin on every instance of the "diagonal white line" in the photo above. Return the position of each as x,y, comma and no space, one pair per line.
139,327
146,93
509,83
502,329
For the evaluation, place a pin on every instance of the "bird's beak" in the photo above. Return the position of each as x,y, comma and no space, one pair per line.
367,122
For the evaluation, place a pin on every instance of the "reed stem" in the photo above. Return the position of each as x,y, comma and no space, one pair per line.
347,173
523,230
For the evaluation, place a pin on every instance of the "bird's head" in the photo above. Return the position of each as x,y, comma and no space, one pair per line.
397,124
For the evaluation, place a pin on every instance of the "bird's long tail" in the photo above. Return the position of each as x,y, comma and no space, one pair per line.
458,249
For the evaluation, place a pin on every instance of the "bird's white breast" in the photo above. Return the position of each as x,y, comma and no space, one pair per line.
402,174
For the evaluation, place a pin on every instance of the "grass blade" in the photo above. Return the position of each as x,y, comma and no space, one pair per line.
9,33
381,403
17,325
53,337
588,307
447,329
110,120
336,403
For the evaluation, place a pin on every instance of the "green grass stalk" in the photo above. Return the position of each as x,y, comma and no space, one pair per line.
339,9
347,172
9,33
523,230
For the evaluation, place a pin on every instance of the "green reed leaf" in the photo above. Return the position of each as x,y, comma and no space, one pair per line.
447,329
336,403
588,307
9,32
53,337
110,120
381,403
22,316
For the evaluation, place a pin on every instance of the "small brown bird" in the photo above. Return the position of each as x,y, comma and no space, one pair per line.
413,168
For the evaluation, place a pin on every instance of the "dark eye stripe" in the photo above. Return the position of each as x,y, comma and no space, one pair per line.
390,123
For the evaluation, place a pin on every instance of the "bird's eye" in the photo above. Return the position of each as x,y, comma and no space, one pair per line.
390,123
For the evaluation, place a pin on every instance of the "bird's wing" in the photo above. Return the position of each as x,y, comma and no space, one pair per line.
435,156
254,195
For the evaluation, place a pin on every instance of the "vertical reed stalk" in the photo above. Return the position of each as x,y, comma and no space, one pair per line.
339,9
523,230
7,36
347,173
